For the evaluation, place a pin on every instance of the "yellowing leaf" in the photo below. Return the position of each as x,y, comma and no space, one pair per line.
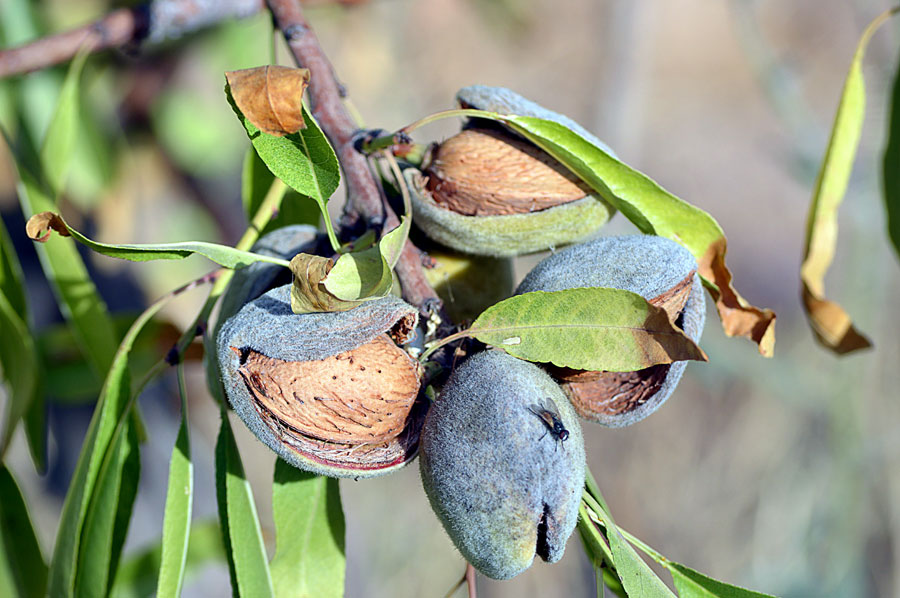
830,323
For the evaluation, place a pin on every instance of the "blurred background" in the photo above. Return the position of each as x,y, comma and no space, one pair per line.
782,475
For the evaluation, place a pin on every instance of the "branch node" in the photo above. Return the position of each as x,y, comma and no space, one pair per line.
294,32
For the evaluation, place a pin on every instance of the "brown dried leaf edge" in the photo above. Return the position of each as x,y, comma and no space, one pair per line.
270,97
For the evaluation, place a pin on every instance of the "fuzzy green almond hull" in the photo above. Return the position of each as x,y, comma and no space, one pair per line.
503,484
506,235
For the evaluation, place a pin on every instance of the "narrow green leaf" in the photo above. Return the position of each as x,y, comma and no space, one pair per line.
304,160
22,569
75,292
18,362
832,325
309,558
179,497
68,377
256,180
100,440
584,328
137,576
7,576
890,166
693,584
36,432
59,142
242,536
106,520
594,544
12,281
638,578
20,403
40,225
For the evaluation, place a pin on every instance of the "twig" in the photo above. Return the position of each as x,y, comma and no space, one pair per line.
154,22
470,580
363,198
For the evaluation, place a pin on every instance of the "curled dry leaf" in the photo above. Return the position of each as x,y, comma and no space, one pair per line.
39,226
828,320
270,97
308,292
738,317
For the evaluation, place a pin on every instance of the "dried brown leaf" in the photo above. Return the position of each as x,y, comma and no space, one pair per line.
673,300
39,226
738,317
831,324
308,292
270,97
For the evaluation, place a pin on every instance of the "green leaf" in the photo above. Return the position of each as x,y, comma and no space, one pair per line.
40,224
69,378
364,275
692,584
584,328
138,575
309,558
12,281
241,532
890,166
638,578
36,432
75,292
59,142
15,356
103,439
360,275
308,292
830,323
22,569
179,497
304,160
256,181
18,362
107,518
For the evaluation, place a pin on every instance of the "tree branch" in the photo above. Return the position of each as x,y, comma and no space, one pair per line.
363,197
152,22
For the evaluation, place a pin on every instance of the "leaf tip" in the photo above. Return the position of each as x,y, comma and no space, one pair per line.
39,226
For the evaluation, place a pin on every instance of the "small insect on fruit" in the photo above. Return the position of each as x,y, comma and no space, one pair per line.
549,414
